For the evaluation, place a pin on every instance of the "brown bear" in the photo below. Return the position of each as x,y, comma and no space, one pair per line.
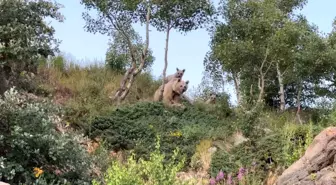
212,99
183,96
172,92
177,74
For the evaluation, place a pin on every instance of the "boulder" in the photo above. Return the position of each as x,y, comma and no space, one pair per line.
317,166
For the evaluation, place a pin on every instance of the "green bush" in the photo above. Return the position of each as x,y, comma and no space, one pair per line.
295,140
28,140
221,109
269,151
58,62
153,171
135,126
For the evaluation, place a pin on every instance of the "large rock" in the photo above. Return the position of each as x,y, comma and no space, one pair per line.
317,166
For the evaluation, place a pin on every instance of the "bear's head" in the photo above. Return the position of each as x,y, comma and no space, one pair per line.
179,86
212,98
179,73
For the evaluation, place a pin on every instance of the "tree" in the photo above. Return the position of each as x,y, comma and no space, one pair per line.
118,55
25,36
246,46
182,15
116,17
285,46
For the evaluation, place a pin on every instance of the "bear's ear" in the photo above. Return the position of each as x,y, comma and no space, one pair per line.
177,69
183,70
187,82
179,80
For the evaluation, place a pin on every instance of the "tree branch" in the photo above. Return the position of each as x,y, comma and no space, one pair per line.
143,58
264,61
117,26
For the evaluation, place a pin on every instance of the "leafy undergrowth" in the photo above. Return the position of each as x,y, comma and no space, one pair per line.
270,151
33,148
143,172
38,153
135,128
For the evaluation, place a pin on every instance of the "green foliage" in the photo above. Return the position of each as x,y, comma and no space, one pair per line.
181,15
222,160
58,63
25,16
25,37
153,171
279,148
115,61
296,140
135,126
222,108
247,120
29,140
270,53
119,54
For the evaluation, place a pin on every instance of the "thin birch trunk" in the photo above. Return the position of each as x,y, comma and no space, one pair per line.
281,88
165,62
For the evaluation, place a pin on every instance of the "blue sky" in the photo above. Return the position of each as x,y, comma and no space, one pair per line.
183,52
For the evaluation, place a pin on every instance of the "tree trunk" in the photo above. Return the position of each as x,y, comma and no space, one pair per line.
236,82
251,91
123,82
281,90
261,83
298,103
261,79
131,73
165,62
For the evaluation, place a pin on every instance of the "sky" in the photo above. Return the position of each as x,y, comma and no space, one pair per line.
186,51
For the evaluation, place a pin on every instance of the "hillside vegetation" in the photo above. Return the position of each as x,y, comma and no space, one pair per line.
61,123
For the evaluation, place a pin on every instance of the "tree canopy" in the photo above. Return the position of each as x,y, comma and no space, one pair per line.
24,34
118,56
270,53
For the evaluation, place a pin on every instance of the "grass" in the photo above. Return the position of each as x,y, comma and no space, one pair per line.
85,91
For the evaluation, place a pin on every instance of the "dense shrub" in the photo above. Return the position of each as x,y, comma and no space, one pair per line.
222,108
135,127
29,142
280,148
152,171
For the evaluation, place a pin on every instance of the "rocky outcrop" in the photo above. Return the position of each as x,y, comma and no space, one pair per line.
317,166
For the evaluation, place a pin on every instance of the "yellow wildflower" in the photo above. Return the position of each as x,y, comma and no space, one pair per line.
176,134
37,172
